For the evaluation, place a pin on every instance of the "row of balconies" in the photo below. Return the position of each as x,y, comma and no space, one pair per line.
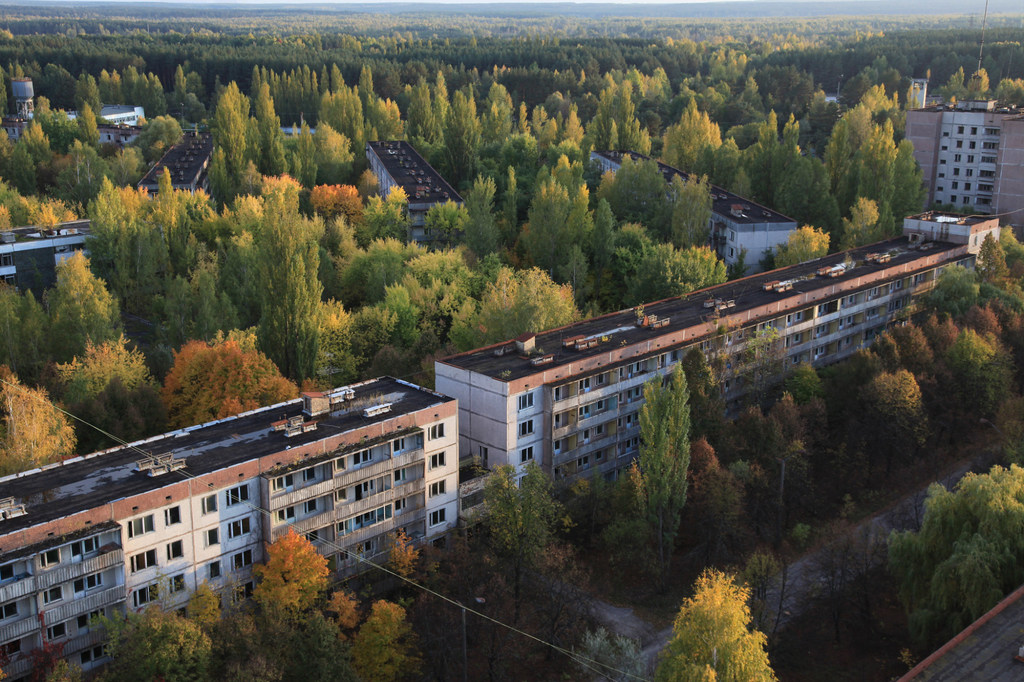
64,573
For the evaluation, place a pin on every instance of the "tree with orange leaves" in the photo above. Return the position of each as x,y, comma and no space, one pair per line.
213,381
331,201
293,577
403,555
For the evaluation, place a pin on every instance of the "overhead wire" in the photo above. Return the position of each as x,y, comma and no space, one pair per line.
578,658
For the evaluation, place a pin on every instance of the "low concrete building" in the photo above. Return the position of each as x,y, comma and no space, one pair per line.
29,256
397,164
738,227
188,163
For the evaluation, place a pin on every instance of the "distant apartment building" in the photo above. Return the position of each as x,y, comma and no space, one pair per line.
149,522
737,225
119,135
972,154
569,398
188,163
397,164
29,256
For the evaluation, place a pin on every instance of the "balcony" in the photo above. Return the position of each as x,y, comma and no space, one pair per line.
19,628
289,498
17,589
92,602
66,572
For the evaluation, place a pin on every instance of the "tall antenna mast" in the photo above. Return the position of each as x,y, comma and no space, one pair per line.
981,50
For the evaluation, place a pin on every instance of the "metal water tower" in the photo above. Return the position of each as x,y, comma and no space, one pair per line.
23,94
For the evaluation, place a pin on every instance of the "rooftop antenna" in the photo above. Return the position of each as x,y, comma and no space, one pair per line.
981,50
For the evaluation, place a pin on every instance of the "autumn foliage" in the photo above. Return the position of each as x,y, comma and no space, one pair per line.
293,577
331,201
214,381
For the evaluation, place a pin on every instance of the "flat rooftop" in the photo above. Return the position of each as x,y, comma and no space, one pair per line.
951,218
723,202
35,234
87,482
985,650
422,184
619,328
186,161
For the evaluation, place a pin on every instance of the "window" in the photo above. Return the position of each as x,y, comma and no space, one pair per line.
242,592
365,489
144,560
401,475
967,186
242,526
57,631
436,431
54,594
972,145
238,495
209,504
309,474
176,583
213,570
398,446
959,145
345,527
400,505
309,507
526,401
361,457
584,385
339,464
990,145
560,393
483,454
956,157
365,547
437,488
172,516
974,130
960,130
970,158
282,515
955,185
86,620
9,610
526,454
283,482
241,560
89,582
526,428
6,573
970,174
78,550
437,461
584,412
342,495
211,537
50,557
140,526
175,550
145,594
93,654
437,517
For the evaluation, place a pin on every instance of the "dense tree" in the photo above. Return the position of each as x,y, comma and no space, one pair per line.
81,310
287,262
804,244
687,140
157,645
85,378
214,381
966,555
384,647
521,518
293,577
659,476
711,639
34,431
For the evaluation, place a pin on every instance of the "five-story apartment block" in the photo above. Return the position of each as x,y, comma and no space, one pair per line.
569,398
150,521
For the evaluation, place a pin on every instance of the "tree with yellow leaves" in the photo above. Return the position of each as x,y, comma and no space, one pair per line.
804,244
711,637
404,555
86,376
384,649
293,577
33,432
